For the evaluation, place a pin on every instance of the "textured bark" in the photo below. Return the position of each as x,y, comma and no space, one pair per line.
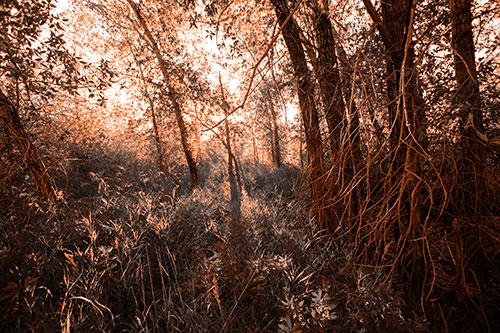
406,112
314,145
407,136
405,108
26,147
470,180
172,95
467,98
343,122
156,130
328,76
275,139
395,13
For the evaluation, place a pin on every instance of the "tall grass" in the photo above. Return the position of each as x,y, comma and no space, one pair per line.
139,252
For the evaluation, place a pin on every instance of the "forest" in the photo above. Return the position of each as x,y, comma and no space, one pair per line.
249,166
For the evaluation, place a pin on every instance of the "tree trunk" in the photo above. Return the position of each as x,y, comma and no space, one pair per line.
237,230
156,130
276,150
405,106
172,95
328,77
343,123
407,135
468,97
319,191
468,101
470,178
26,147
159,148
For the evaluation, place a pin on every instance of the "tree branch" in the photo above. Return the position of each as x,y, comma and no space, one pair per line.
378,21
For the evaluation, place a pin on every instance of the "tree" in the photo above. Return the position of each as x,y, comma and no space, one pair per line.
237,230
156,130
32,68
314,145
468,101
407,135
275,138
327,73
35,164
171,93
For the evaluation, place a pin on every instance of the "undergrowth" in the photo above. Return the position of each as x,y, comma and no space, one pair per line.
131,250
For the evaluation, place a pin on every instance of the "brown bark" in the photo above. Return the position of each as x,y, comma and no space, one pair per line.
470,180
172,95
275,139
328,76
26,147
405,105
156,130
314,145
467,98
343,122
395,13
407,135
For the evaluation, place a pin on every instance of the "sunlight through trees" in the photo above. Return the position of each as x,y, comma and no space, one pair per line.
261,165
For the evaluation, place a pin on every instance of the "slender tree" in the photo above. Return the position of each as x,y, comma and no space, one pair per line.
171,93
275,138
30,153
156,129
235,205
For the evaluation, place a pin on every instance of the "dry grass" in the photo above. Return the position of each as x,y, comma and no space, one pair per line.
135,257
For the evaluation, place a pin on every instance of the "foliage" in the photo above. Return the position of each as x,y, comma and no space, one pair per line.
134,256
404,183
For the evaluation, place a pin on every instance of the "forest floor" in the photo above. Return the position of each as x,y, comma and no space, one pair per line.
128,249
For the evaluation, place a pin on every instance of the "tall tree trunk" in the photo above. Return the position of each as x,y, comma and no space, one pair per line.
172,95
405,106
343,123
406,111
156,130
26,147
328,76
468,101
276,150
319,191
237,230
470,180
407,136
